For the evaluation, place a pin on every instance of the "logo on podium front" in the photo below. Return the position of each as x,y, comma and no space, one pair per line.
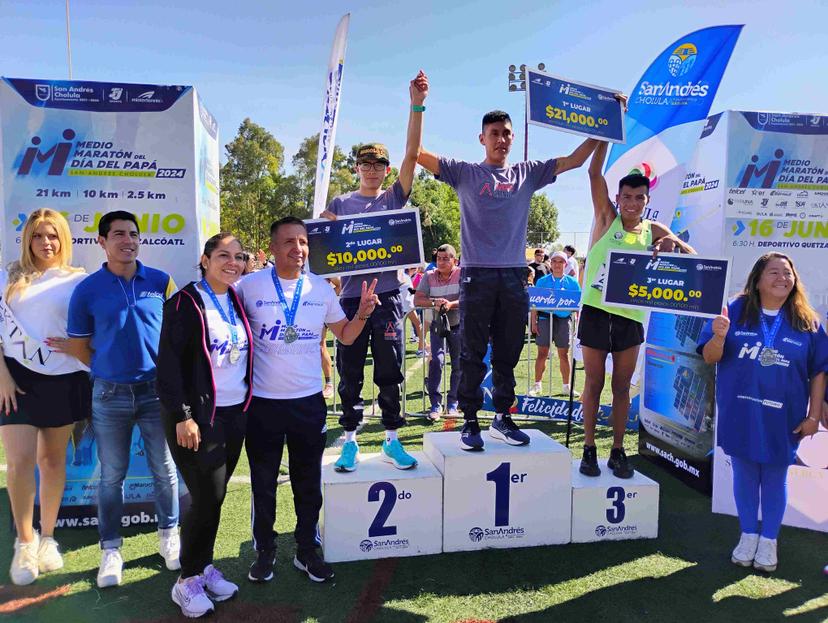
366,545
476,535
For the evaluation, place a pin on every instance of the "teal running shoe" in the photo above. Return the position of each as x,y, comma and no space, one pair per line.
393,453
349,458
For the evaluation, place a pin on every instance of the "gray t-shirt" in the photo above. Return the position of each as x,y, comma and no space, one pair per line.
353,203
436,288
494,208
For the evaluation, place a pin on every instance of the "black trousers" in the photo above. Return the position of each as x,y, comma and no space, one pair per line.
383,331
206,474
494,306
300,422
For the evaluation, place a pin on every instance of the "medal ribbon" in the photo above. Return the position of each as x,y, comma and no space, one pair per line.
229,321
290,313
770,334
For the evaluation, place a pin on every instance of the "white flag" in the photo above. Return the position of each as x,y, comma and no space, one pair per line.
330,113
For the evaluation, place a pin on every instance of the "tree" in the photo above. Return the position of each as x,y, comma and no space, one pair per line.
543,221
439,212
343,178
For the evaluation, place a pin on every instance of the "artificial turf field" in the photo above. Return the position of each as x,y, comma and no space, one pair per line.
683,575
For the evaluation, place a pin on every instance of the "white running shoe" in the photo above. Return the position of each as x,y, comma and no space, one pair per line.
169,546
766,559
23,568
48,555
575,394
745,551
218,588
189,595
537,389
112,565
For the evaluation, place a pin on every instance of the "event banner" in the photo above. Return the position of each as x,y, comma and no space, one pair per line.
667,109
575,107
682,284
550,299
365,243
87,148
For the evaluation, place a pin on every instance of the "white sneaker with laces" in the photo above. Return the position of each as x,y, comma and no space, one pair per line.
48,555
169,546
189,595
537,389
112,565
218,588
766,559
575,394
745,551
23,568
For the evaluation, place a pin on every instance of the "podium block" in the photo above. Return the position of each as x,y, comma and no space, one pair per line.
505,496
379,511
613,509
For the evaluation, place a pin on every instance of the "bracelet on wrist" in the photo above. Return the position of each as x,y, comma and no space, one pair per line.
363,318
417,108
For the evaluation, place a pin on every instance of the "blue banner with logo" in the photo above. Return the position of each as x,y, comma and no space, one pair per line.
549,299
576,107
365,243
682,284
667,112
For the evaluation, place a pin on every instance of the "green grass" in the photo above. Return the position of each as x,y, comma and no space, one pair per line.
684,575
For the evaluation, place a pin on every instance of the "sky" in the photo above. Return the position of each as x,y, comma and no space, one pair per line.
266,60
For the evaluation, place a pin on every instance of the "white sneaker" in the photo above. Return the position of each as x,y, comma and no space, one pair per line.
112,566
766,559
575,394
745,551
189,595
48,555
218,588
537,389
169,546
23,568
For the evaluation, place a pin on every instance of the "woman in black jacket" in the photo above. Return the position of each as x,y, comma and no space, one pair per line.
204,384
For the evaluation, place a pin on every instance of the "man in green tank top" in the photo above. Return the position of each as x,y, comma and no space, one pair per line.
604,329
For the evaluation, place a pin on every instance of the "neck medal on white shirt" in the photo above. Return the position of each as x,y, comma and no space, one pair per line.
229,319
768,354
291,333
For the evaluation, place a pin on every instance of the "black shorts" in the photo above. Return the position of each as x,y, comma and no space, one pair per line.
602,330
50,401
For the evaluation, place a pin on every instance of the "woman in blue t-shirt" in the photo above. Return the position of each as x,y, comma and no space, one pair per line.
771,362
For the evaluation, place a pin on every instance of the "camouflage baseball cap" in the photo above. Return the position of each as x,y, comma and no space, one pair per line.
373,151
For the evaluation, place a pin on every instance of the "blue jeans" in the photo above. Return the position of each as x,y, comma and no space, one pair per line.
116,408
438,362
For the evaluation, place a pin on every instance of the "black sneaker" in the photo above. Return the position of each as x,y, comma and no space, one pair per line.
262,569
619,465
470,438
504,429
589,462
311,563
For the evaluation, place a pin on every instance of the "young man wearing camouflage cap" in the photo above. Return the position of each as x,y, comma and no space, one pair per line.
383,330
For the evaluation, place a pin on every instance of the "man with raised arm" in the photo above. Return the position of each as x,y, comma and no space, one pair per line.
384,330
604,329
494,304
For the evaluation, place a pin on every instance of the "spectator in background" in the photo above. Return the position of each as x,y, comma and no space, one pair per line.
572,266
538,265
407,289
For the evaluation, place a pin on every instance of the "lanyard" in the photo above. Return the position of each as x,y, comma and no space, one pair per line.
229,321
290,314
770,334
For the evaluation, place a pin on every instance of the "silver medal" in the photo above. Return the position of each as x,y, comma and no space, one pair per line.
291,335
767,357
235,354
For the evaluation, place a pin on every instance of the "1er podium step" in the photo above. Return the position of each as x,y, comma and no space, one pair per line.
379,511
607,508
505,496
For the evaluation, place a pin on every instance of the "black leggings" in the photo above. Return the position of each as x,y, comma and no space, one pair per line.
206,474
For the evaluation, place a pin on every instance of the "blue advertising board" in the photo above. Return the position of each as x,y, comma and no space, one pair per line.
549,299
365,243
576,107
682,284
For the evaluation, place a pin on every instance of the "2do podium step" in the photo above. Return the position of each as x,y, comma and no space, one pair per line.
455,500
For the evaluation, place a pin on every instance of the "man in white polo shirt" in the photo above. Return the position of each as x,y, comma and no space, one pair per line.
287,310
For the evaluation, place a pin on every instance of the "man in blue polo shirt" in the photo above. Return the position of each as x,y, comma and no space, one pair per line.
114,326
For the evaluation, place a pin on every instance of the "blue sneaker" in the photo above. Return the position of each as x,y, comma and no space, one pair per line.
349,458
470,438
505,429
434,413
394,453
452,410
